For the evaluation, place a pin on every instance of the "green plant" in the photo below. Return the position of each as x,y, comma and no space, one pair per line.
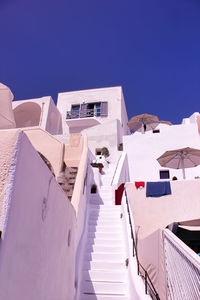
105,152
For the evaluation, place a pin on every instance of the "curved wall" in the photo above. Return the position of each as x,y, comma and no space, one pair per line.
27,114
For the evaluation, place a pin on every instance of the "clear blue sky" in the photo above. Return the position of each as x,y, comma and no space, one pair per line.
150,47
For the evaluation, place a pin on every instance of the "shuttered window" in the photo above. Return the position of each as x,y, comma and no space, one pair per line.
86,110
83,110
104,109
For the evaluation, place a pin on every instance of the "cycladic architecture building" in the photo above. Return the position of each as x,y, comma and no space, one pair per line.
86,210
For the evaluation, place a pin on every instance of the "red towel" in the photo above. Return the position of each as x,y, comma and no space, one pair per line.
118,194
139,184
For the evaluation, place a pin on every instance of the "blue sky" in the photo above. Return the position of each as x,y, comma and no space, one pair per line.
151,48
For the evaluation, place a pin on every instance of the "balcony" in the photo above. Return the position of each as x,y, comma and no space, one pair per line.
82,118
88,113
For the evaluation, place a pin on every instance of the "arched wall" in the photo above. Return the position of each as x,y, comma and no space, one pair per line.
27,114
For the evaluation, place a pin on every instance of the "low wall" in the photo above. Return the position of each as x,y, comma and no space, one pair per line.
47,145
78,193
151,215
37,254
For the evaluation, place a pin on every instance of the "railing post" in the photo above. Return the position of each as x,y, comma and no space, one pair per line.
145,276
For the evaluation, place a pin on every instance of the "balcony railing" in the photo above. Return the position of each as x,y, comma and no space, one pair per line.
76,114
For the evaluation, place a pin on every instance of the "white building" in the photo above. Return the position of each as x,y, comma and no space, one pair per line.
144,149
59,240
99,113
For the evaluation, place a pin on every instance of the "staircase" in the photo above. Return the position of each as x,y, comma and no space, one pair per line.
104,272
67,179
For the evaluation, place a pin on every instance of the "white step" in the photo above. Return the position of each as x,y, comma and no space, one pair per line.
104,242
105,257
106,188
102,297
103,202
104,287
105,222
105,217
102,228
106,210
104,193
99,265
103,275
106,235
105,249
101,207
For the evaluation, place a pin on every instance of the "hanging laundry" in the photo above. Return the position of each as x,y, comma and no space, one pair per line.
158,189
139,184
118,194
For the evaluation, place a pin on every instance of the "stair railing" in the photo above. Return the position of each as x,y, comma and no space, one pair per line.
149,287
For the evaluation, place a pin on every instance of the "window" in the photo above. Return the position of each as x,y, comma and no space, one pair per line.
94,109
156,130
164,174
75,111
86,110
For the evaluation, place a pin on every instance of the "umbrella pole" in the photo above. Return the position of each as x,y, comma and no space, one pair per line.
144,127
182,165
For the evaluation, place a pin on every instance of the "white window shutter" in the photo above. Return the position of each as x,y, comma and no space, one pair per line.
104,109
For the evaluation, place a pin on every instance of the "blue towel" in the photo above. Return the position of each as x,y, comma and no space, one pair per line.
158,189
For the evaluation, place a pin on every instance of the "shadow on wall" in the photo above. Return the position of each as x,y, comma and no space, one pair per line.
47,162
27,114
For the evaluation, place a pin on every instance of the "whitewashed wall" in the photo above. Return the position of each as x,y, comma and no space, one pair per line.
112,95
37,254
50,118
144,149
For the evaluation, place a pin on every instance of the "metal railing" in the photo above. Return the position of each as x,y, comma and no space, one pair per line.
88,113
149,287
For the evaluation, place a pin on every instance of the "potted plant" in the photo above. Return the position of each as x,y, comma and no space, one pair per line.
105,152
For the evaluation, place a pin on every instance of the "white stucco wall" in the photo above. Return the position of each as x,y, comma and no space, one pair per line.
6,116
152,215
104,135
124,117
50,118
54,120
36,261
144,149
112,95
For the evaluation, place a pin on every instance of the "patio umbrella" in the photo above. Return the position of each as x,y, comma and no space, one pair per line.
143,122
180,159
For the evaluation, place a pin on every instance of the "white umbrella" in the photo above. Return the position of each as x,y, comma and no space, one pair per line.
180,159
145,122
